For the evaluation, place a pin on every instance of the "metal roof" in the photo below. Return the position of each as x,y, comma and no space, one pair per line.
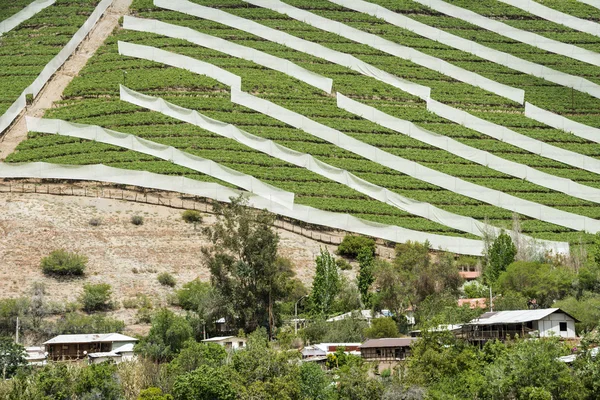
221,338
514,317
91,338
388,342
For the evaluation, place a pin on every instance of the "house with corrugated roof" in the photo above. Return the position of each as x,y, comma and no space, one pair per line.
503,325
386,352
78,347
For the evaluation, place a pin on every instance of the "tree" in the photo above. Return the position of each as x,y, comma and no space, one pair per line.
502,253
96,297
204,383
99,381
154,393
325,283
314,383
166,338
382,328
12,357
365,278
544,282
352,245
243,264
195,354
62,263
394,289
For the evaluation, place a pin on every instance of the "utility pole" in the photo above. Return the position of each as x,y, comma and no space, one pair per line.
491,306
17,332
296,314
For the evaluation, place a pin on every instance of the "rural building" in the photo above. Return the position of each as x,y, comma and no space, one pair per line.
36,355
386,352
77,347
317,352
120,354
503,325
229,342
480,302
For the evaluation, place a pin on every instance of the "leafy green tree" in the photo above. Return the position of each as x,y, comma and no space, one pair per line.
382,328
347,330
501,254
475,290
61,263
166,338
366,262
544,282
12,357
314,383
354,384
243,264
348,297
326,283
195,354
510,300
586,309
394,290
154,393
76,323
96,297
204,383
99,381
55,381
352,245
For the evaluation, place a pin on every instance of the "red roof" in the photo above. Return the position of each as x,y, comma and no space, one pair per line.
469,274
388,342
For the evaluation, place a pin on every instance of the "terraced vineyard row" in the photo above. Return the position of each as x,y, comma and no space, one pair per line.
25,50
107,69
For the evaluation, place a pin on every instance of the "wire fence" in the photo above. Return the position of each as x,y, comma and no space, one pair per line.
172,200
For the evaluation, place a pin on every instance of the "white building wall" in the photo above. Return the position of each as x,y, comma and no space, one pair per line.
550,326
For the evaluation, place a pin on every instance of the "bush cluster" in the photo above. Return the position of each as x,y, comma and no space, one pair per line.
63,263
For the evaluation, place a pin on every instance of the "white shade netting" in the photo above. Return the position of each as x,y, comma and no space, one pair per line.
387,46
15,20
50,69
295,43
469,46
535,40
224,46
547,13
559,122
481,157
218,192
169,153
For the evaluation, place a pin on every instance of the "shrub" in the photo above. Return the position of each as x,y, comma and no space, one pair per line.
351,245
130,303
76,323
95,222
137,220
191,216
343,264
166,279
96,297
63,263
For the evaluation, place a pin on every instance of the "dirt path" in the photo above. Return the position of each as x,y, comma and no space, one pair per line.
55,87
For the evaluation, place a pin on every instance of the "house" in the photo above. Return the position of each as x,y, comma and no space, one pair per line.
36,355
320,351
77,347
229,342
473,303
387,352
439,328
367,315
503,325
118,355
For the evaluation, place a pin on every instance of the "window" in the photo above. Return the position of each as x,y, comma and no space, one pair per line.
563,326
240,344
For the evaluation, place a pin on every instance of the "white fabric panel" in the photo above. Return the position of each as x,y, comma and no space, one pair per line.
15,20
558,17
481,157
218,192
593,3
177,60
285,39
519,35
469,46
395,49
307,161
559,122
19,105
411,168
169,153
232,49
516,139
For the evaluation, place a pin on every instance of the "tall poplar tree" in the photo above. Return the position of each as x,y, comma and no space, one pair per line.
326,283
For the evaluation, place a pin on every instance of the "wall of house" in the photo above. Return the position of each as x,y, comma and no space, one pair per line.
116,345
550,326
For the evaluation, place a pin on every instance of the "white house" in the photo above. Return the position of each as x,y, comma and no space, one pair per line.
502,325
117,355
229,342
321,350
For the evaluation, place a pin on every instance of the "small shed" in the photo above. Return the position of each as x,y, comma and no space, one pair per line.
229,342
